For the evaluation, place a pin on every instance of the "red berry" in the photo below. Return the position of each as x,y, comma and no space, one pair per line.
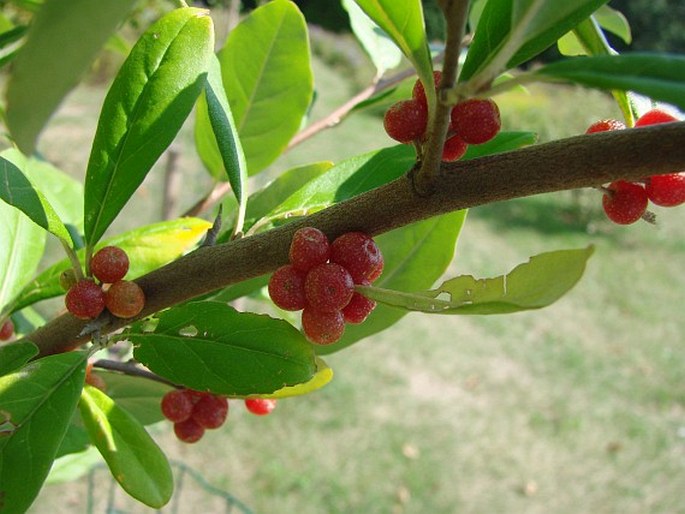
322,327
476,120
94,379
453,149
406,121
308,248
189,431
7,330
211,411
125,299
358,254
624,202
358,309
85,299
418,93
260,406
654,117
666,190
109,264
328,287
605,126
177,405
286,288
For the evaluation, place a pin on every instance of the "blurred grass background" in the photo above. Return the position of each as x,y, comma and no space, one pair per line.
579,407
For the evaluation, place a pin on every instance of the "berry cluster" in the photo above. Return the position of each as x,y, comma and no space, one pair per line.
472,122
86,299
6,330
193,412
626,202
320,281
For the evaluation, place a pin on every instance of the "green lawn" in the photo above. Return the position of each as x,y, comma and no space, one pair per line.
577,408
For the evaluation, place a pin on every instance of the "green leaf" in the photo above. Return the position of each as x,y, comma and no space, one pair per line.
267,74
140,396
384,54
538,283
615,22
36,405
73,466
21,248
658,76
323,376
17,190
41,77
15,355
404,24
150,98
512,32
134,459
210,346
415,257
148,247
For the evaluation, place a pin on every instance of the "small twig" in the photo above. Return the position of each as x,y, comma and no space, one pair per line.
213,232
131,368
172,183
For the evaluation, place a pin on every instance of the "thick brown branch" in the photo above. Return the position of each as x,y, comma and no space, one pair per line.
583,161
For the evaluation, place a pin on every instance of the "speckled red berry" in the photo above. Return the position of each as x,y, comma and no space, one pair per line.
328,287
109,264
177,405
85,299
309,247
125,299
211,411
406,121
260,406
654,117
454,149
605,126
358,309
418,92
286,288
624,202
189,431
359,254
476,120
666,190
7,330
322,327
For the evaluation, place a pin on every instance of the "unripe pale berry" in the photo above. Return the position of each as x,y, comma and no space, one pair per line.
85,299
358,309
177,405
328,287
125,299
322,327
189,431
476,120
359,255
624,202
605,126
211,411
286,288
454,149
67,279
666,190
418,92
406,121
260,406
309,248
109,264
7,330
654,117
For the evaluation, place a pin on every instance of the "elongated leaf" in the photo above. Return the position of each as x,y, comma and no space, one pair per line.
40,79
522,29
266,70
658,76
140,396
384,54
15,355
148,102
148,247
134,459
17,190
36,404
416,254
73,466
533,285
210,346
403,22
21,248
